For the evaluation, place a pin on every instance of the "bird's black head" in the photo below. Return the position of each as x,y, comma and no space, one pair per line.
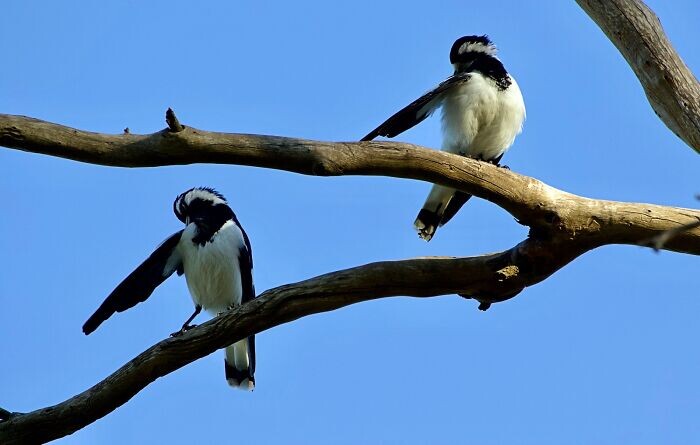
478,53
206,208
467,48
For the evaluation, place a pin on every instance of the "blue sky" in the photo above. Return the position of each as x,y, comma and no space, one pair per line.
602,352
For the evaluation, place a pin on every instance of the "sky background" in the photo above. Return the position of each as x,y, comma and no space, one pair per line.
604,352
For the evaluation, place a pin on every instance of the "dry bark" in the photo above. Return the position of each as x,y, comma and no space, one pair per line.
548,211
672,90
562,225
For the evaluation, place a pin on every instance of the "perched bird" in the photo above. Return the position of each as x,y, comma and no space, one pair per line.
482,112
213,251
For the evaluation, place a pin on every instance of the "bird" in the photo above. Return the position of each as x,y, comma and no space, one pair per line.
482,113
213,252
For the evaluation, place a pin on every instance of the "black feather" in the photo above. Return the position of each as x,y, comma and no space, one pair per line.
140,283
409,116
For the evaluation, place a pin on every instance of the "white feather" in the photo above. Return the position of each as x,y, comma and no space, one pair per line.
214,279
479,120
204,195
478,47
437,199
240,354
237,354
212,270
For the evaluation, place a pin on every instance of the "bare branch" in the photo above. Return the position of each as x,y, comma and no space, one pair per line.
498,275
672,90
563,226
548,211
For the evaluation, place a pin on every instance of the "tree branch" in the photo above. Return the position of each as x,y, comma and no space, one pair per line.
487,278
548,211
563,226
499,275
672,90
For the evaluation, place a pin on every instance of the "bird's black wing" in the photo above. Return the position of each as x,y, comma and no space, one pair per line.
454,204
245,264
140,283
245,261
416,111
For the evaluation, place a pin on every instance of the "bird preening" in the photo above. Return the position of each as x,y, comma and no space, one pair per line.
482,113
213,252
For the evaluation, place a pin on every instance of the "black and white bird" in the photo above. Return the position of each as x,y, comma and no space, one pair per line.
213,251
482,113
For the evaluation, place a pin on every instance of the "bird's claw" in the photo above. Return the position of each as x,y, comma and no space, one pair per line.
219,314
183,329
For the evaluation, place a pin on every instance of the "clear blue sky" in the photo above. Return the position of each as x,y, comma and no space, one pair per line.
603,352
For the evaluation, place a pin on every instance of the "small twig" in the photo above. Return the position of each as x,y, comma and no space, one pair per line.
657,242
173,124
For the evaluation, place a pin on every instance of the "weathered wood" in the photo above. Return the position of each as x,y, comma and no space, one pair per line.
563,225
672,90
503,274
532,202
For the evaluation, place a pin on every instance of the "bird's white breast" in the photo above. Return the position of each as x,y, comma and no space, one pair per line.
481,121
212,270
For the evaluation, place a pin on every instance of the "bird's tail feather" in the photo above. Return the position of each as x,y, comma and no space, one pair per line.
426,223
456,203
239,364
440,206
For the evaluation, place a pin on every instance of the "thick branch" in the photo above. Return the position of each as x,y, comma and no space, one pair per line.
672,90
548,211
563,226
499,275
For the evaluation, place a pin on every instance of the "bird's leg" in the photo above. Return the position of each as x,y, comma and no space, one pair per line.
187,326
